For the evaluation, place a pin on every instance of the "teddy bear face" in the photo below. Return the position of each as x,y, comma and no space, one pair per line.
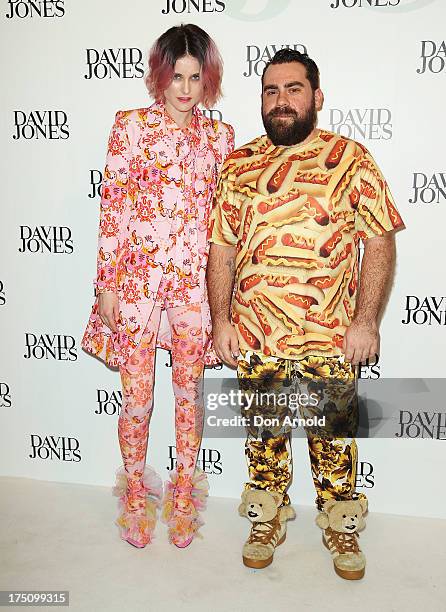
346,517
259,506
255,512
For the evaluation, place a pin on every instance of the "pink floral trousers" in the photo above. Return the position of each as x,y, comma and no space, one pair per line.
140,487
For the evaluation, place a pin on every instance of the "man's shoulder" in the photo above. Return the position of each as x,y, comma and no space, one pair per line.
340,141
249,149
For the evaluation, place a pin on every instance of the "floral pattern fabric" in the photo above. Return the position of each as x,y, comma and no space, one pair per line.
332,448
137,511
157,191
137,378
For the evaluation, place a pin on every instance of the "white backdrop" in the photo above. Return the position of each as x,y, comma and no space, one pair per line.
382,64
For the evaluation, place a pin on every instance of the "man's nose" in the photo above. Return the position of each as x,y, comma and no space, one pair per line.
282,98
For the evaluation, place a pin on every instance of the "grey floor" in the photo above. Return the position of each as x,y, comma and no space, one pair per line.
61,536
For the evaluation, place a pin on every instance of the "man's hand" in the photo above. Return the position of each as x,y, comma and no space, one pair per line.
361,342
226,342
108,308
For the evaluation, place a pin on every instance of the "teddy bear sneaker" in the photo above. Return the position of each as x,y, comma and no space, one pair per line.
268,529
340,522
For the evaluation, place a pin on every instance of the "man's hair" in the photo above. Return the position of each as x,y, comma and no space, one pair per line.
287,56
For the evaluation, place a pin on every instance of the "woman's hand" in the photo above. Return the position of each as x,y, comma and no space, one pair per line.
108,308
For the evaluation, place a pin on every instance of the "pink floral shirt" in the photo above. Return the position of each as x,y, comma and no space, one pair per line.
157,193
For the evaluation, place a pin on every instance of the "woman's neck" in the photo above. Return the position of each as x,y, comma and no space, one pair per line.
182,119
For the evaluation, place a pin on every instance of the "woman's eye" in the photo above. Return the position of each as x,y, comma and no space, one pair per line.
177,76
196,77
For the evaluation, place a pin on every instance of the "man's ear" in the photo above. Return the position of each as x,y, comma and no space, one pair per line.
318,99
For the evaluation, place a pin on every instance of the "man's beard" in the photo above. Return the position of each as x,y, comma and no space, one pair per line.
288,133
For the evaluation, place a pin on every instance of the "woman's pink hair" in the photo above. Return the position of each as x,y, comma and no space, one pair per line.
177,42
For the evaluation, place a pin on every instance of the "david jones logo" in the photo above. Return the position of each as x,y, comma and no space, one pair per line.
46,346
429,310
95,183
38,124
422,424
123,63
360,3
209,460
62,448
428,189
45,239
370,371
5,395
433,57
257,57
365,477
168,363
193,6
108,403
35,8
212,114
366,123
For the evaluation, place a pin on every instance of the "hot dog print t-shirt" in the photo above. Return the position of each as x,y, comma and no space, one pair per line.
297,215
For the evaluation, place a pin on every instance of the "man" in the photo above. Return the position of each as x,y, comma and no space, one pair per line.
291,209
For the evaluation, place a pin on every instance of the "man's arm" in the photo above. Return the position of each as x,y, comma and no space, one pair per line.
220,275
361,340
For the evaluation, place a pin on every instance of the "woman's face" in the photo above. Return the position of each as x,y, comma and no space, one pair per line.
186,88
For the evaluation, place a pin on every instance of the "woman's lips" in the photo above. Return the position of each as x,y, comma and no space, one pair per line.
184,99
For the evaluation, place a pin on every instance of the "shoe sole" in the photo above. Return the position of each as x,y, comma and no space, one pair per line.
184,544
347,575
261,563
134,543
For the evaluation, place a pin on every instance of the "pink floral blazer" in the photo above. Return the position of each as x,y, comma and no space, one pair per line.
153,169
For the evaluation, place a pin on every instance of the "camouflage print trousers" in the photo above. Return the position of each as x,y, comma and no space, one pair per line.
316,393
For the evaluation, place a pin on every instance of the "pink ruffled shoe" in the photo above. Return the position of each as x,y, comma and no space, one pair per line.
138,502
182,505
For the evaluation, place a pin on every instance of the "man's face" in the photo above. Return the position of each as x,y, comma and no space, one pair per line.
289,104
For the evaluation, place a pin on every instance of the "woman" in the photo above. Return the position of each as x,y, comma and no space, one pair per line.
159,180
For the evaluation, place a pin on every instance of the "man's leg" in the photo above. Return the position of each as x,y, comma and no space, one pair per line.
269,464
333,455
265,500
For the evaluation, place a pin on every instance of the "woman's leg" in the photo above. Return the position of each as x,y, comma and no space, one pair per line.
187,382
136,483
187,492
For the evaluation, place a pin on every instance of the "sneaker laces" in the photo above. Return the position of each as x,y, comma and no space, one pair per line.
260,535
343,542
